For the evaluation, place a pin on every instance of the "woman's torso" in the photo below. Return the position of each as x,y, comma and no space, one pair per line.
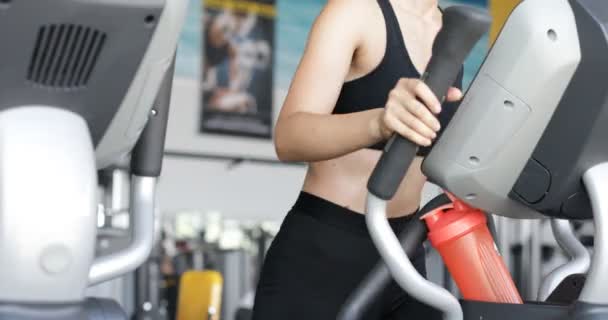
381,60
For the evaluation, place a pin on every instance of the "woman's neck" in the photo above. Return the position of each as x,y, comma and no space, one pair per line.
420,7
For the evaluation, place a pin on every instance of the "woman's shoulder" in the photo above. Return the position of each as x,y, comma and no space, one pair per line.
353,19
354,11
350,4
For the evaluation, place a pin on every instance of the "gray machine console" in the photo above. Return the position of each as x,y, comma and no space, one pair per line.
507,108
575,138
74,54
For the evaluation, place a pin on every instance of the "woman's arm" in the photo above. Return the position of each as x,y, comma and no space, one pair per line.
311,137
307,131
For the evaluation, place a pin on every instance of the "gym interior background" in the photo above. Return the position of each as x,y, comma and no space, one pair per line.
223,193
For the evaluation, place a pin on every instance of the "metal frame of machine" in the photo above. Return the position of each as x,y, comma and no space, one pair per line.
80,84
526,148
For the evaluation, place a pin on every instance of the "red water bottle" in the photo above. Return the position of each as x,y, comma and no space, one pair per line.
461,235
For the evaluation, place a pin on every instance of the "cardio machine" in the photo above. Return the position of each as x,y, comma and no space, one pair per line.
83,84
529,140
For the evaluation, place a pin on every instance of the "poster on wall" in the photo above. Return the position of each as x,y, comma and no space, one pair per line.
237,67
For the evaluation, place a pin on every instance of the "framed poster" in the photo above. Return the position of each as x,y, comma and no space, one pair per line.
185,136
237,73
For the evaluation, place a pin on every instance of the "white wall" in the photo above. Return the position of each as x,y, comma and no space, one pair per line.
248,191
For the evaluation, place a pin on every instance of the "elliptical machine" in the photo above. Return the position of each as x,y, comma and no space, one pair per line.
527,141
80,84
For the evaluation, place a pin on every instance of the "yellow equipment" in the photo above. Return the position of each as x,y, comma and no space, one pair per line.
200,296
501,9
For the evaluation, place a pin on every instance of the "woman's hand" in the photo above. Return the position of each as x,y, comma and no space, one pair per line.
411,111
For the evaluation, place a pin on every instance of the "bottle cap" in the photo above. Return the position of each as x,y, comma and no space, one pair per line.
452,221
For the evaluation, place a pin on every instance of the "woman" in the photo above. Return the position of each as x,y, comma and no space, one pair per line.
356,85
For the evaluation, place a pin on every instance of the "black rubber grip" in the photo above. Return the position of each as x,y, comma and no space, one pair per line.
147,157
369,290
463,26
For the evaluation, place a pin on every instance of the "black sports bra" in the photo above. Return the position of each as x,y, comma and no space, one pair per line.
373,89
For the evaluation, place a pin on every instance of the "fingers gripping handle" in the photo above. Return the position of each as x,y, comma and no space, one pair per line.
462,27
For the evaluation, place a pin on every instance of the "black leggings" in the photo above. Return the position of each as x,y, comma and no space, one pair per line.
318,258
